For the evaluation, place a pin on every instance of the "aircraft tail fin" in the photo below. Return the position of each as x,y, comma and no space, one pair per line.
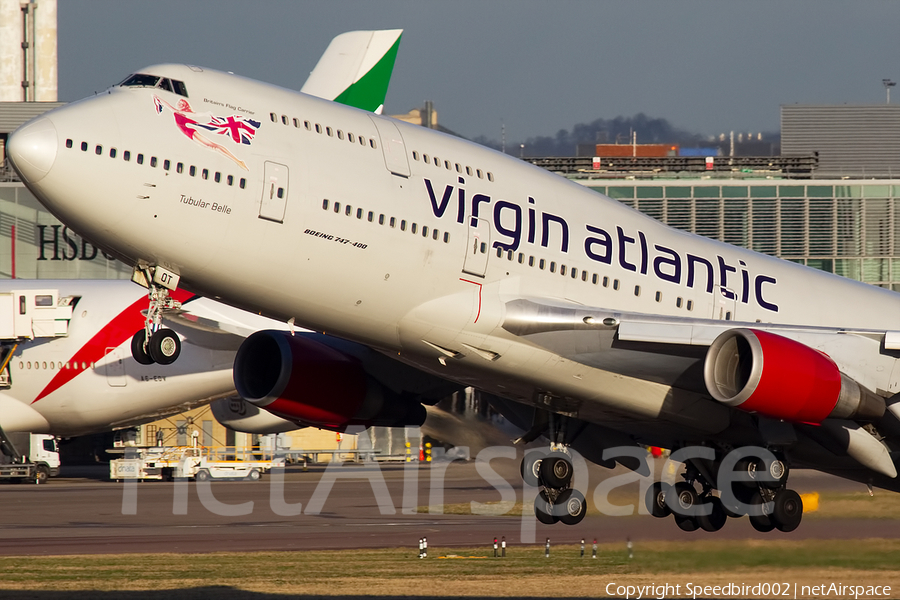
356,69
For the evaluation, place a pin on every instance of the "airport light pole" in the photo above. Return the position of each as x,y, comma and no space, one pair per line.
888,84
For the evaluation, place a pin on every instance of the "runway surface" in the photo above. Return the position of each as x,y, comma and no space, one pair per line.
82,513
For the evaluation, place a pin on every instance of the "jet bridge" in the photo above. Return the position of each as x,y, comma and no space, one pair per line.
29,314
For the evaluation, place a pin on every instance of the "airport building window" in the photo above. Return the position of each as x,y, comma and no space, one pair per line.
112,152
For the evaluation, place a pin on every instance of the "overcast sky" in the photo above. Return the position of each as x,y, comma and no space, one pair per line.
708,66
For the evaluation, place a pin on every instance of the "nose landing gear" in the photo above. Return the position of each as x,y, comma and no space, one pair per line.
153,343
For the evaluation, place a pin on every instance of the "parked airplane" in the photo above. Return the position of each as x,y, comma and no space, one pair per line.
591,323
83,378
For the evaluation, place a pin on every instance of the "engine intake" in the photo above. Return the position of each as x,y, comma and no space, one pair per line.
303,380
758,371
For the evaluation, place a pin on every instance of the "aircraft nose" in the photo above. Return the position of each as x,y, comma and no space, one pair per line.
32,149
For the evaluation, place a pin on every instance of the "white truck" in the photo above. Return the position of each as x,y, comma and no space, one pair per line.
186,462
28,457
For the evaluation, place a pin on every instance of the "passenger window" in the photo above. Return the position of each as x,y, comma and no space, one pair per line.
530,261
594,279
371,216
217,177
415,155
325,204
230,180
437,161
541,264
446,237
318,128
484,247
284,120
424,230
434,234
329,131
84,146
179,168
690,305
126,155
552,266
468,170
425,158
98,150
509,255
68,143
584,275
351,138
490,176
637,290
340,134
153,161
499,252
480,174
112,152
204,173
606,282
658,296
243,183
678,302
372,143
403,225
308,125
381,219
447,164
362,141
192,171
393,222
348,210
414,228
458,168
166,164
280,193
273,117
337,207
140,159
562,269
359,213
296,122
615,284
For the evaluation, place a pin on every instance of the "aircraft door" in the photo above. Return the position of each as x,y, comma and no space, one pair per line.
478,248
392,146
724,305
275,192
115,368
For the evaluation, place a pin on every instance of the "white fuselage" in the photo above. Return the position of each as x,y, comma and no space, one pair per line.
377,238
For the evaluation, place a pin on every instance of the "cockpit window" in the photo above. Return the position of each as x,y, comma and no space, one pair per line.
140,80
152,81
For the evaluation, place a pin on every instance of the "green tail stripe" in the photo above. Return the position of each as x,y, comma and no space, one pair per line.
369,92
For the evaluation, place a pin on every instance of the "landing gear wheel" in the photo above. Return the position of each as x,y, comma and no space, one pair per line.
556,470
716,518
530,468
655,500
788,510
761,523
686,523
573,506
165,346
137,348
543,510
771,472
683,500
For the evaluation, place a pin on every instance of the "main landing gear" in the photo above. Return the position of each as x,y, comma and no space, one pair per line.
153,343
764,497
552,471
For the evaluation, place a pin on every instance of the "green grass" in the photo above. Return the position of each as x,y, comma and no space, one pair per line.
396,568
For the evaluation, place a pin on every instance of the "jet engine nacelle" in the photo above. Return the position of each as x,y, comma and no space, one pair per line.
304,380
758,371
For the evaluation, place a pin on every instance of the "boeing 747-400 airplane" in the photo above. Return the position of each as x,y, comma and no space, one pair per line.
418,252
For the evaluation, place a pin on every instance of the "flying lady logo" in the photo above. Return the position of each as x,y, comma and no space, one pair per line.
238,129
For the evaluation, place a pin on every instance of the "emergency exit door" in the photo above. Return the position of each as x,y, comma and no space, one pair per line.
275,192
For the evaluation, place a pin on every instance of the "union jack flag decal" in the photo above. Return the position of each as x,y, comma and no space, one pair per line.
241,130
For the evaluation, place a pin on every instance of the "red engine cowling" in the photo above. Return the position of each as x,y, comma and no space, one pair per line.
758,371
301,379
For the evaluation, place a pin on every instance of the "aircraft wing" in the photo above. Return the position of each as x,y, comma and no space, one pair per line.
355,69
